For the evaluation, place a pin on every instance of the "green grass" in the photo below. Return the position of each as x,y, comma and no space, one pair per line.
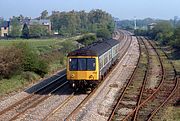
171,114
56,65
177,65
41,45
39,42
9,85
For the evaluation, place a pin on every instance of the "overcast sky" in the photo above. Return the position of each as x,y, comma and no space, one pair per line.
123,9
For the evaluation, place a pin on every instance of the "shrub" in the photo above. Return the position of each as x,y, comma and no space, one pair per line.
10,61
31,61
104,33
30,76
67,46
87,39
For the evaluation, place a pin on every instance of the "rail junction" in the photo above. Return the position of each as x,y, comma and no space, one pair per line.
136,88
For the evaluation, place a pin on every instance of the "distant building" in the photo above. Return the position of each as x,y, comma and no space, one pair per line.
151,26
43,22
4,28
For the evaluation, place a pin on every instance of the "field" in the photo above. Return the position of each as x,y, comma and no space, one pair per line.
38,42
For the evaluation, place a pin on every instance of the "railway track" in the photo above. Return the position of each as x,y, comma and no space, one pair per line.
169,87
16,110
129,95
160,96
124,49
144,94
85,100
13,111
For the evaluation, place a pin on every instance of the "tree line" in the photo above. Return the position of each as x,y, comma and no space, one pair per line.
166,33
77,22
66,24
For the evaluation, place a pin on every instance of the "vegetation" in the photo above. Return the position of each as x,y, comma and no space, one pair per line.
103,33
65,23
129,24
25,31
23,61
73,22
164,33
176,41
87,39
36,31
10,61
15,30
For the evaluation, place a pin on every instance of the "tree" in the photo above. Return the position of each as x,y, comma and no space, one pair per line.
103,33
70,23
162,32
87,39
37,30
176,41
25,31
44,14
15,28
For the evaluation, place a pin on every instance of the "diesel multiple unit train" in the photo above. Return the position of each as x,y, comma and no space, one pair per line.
87,65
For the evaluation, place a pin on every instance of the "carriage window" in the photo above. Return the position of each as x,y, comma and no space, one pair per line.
73,64
91,65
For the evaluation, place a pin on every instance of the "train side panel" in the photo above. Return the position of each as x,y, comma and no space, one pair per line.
108,59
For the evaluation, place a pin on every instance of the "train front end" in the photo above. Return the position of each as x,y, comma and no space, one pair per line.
82,70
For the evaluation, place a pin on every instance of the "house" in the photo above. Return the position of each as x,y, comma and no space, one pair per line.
151,26
4,28
43,22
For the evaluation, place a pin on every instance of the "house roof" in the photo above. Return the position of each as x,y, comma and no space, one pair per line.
41,21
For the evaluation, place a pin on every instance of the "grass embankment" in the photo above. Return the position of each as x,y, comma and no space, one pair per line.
15,83
50,49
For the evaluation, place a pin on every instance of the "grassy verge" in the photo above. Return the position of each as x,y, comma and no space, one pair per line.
41,42
13,84
171,114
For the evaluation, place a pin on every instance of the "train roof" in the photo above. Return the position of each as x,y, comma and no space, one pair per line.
95,49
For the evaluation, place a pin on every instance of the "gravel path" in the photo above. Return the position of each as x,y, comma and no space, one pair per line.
99,105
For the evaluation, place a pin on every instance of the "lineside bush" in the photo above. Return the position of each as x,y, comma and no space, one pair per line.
31,61
10,61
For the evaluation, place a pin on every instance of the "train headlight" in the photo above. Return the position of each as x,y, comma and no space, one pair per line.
72,75
91,77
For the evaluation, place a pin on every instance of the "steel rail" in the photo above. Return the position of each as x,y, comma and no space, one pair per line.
144,81
41,100
156,91
124,90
